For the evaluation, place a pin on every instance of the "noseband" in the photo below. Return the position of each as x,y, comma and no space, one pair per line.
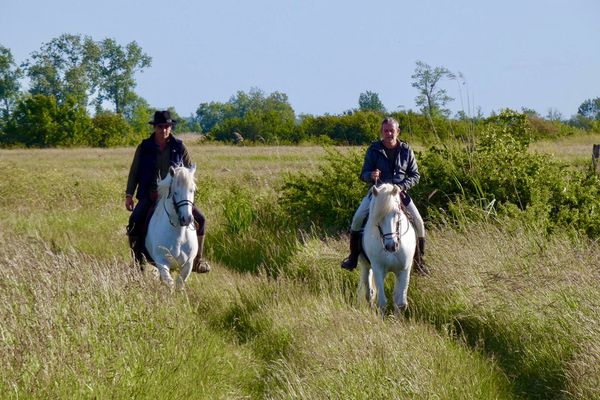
395,232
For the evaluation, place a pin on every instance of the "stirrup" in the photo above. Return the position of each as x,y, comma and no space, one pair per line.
201,266
420,268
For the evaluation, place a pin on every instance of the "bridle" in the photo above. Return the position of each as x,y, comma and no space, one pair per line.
177,205
396,232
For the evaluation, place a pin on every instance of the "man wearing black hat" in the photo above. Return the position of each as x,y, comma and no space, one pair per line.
153,158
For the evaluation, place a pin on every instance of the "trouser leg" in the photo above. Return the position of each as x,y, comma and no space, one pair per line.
200,265
411,208
135,229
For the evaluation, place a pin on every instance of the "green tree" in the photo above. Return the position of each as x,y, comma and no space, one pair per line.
113,73
256,116
39,121
208,115
61,68
358,128
369,101
111,130
431,99
590,109
10,74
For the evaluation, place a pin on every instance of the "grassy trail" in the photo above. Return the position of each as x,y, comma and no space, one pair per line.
510,315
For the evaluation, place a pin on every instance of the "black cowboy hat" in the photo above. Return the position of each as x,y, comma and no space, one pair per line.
162,117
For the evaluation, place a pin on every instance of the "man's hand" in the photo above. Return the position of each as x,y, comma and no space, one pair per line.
129,203
375,175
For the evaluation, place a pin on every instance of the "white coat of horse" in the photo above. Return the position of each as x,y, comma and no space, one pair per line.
171,239
389,241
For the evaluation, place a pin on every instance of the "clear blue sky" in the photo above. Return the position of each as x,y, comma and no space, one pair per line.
540,54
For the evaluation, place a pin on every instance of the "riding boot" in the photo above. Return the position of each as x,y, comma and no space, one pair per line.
350,262
137,250
200,265
419,264
136,245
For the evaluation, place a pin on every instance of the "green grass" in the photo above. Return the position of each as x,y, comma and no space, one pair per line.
507,313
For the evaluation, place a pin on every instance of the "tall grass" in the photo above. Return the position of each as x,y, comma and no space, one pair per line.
506,313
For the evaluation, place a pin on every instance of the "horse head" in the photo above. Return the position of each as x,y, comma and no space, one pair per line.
182,188
385,207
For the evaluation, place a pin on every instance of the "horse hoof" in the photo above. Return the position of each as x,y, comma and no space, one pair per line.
401,309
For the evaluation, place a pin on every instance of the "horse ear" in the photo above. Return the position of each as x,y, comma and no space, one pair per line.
172,171
396,190
375,190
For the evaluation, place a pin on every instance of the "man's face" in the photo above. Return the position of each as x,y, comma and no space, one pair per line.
389,133
163,130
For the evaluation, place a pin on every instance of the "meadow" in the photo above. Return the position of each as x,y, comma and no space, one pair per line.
507,313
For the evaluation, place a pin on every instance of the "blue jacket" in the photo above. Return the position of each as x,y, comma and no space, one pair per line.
402,171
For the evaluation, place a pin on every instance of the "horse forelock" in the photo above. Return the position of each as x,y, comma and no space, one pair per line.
384,203
182,177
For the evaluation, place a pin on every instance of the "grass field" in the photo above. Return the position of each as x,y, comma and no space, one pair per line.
505,314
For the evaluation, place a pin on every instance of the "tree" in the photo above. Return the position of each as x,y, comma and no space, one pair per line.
9,83
114,70
590,109
208,115
270,117
431,98
369,101
61,68
530,112
39,121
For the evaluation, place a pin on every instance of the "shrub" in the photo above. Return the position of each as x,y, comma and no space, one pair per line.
499,175
38,121
329,198
357,128
112,130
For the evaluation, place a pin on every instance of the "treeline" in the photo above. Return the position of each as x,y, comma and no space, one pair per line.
82,93
494,178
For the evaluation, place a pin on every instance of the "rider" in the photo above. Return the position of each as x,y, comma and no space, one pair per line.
153,158
388,160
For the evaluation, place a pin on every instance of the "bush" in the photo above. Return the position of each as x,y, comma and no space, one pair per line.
328,199
500,176
38,121
360,128
112,130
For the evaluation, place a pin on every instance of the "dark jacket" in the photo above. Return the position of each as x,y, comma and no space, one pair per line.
402,171
144,172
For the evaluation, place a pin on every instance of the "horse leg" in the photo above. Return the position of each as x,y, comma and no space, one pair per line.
380,292
165,275
401,290
366,283
186,269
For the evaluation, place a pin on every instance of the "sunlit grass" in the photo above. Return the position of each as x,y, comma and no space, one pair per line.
507,312
576,149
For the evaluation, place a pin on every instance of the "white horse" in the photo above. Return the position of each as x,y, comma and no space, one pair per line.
389,242
171,238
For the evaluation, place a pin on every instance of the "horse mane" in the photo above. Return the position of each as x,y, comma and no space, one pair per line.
384,202
182,177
